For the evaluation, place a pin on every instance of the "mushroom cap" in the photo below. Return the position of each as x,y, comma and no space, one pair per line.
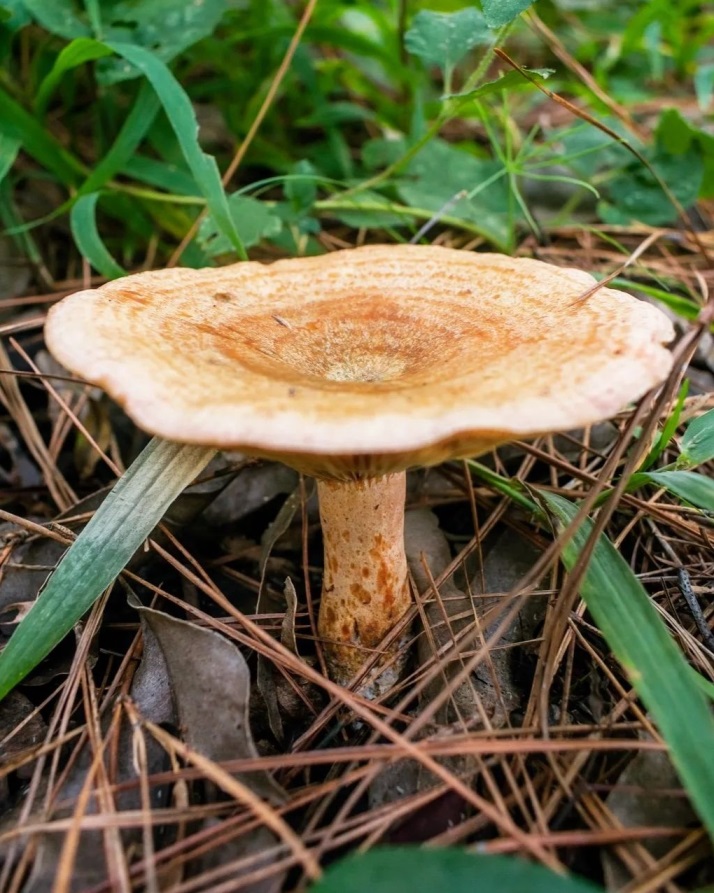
363,361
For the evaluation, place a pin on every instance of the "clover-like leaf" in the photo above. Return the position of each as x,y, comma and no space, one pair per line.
444,38
501,12
252,219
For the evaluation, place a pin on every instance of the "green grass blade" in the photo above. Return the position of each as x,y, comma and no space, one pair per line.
683,306
704,685
697,444
9,148
696,489
133,131
177,106
83,222
141,116
17,123
118,528
668,429
182,118
81,50
164,175
655,666
513,489
511,80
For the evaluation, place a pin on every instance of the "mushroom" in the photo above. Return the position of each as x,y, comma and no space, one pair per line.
353,367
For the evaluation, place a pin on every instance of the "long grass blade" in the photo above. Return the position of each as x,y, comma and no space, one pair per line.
9,147
118,528
689,486
81,50
138,122
182,118
655,665
122,150
83,222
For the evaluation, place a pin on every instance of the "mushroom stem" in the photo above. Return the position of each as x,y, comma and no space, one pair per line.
365,590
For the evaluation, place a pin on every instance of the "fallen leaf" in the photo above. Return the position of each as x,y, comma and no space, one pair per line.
643,797
251,488
428,554
210,682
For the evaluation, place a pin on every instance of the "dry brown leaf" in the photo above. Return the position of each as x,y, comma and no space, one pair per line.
210,682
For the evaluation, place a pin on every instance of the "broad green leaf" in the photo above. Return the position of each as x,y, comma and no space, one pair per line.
501,12
587,150
179,111
679,156
58,17
163,27
78,52
83,222
444,38
693,488
674,134
511,80
15,15
697,444
652,660
252,219
170,25
382,151
403,869
118,528
441,172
